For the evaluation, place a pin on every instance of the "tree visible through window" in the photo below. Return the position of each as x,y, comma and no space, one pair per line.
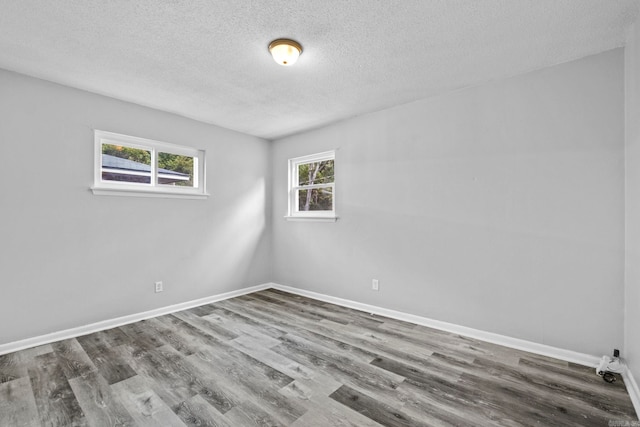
312,185
315,199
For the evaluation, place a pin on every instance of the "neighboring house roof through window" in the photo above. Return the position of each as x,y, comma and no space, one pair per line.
127,170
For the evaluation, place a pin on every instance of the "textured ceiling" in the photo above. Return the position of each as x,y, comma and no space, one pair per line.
208,59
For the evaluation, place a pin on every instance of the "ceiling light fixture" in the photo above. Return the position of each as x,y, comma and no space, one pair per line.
285,51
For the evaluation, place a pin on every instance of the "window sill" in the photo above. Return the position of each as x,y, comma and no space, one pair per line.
128,192
312,218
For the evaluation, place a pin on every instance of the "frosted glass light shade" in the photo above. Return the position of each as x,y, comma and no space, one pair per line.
285,52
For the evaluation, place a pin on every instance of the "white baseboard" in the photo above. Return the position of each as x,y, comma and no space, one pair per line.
558,353
545,350
124,320
632,388
519,344
532,347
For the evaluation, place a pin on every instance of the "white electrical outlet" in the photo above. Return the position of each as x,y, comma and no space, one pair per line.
375,285
159,287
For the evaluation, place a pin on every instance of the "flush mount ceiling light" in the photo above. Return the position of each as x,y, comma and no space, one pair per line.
285,51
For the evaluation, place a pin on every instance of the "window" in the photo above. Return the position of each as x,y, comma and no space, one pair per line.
127,165
312,187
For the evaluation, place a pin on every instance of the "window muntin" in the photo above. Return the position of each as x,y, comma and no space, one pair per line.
127,165
312,186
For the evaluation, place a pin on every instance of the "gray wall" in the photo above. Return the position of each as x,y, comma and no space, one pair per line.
499,207
632,158
70,258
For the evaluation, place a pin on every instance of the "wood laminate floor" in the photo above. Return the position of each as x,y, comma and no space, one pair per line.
273,358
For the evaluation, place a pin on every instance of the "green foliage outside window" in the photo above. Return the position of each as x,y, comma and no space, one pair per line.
177,163
129,153
318,199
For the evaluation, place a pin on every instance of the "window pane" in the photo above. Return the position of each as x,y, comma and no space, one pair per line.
317,199
315,173
126,164
176,170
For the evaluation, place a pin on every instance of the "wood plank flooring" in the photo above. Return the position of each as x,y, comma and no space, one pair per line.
277,359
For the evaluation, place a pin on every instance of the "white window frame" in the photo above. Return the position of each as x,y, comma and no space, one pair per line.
293,213
153,189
